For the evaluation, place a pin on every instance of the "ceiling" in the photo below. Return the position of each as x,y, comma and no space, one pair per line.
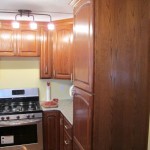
58,9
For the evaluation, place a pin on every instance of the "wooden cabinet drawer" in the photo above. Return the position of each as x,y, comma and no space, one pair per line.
68,127
67,142
67,135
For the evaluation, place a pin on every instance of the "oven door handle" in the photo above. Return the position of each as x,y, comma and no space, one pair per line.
19,122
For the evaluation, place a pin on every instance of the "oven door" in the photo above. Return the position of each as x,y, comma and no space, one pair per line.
21,135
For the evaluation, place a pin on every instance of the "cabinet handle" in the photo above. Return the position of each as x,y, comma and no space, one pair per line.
67,127
46,70
71,77
61,121
67,142
54,73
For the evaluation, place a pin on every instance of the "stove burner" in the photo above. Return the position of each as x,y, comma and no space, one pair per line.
6,108
18,108
32,106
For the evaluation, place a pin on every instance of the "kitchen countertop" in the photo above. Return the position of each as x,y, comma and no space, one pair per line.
66,108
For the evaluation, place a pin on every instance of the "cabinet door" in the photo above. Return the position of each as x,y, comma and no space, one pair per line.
7,42
28,42
46,54
83,45
62,52
82,118
51,130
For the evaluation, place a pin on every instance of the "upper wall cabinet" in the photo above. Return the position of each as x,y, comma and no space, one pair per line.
56,51
62,50
28,42
46,54
83,45
20,42
7,41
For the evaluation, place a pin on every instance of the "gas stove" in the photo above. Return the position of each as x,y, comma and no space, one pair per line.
16,104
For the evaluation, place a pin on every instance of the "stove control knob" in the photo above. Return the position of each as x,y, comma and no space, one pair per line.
2,118
7,118
28,116
33,116
18,117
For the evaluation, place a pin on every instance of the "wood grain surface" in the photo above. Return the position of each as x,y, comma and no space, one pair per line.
121,102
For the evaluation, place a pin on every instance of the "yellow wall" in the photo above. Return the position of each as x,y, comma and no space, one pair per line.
24,73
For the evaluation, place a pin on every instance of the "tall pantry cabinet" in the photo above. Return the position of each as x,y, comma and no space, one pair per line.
111,63
83,75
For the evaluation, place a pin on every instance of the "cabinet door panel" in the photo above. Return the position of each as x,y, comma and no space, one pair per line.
82,117
46,55
7,42
83,46
62,52
51,130
28,42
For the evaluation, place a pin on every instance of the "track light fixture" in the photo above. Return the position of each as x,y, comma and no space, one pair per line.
33,24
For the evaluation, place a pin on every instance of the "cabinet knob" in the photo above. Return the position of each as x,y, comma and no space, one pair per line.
67,127
67,142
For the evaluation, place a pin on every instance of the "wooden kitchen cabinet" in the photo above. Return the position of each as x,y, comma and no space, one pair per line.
82,115
56,51
28,42
22,42
51,124
46,54
83,75
83,45
62,49
7,41
118,79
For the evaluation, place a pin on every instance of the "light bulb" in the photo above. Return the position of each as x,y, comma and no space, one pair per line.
15,24
33,25
51,26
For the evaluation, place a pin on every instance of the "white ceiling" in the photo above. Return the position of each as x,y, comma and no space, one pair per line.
58,9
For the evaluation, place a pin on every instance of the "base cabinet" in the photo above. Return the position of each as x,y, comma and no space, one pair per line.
51,130
57,131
